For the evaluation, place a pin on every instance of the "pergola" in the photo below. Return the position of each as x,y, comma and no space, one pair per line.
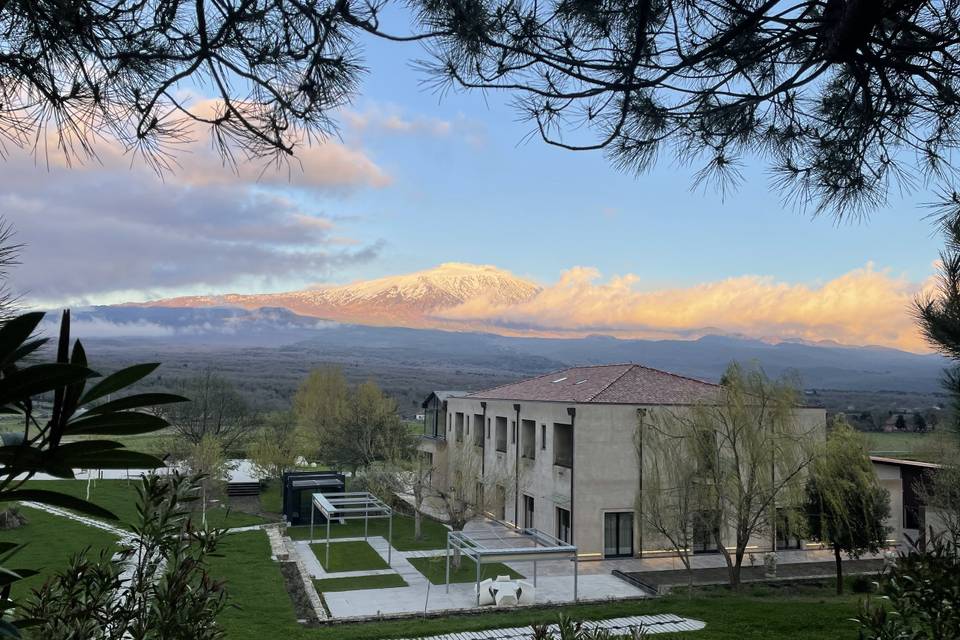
354,505
522,545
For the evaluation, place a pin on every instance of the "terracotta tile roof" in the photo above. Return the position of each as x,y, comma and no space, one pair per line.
606,384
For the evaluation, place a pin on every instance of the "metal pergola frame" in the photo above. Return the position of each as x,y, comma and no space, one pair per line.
352,505
545,547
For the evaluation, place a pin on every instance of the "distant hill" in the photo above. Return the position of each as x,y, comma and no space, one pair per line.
165,329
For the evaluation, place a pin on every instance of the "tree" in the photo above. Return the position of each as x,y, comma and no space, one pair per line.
671,495
846,506
460,498
79,407
320,407
919,596
900,423
919,423
349,428
207,461
277,70
216,408
752,454
843,99
157,587
938,312
939,492
276,447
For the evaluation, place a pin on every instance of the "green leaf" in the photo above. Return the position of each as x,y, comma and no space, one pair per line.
121,423
9,576
15,332
69,450
57,499
118,381
38,379
136,402
7,630
118,459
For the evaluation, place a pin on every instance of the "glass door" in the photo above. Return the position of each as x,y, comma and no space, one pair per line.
527,512
618,534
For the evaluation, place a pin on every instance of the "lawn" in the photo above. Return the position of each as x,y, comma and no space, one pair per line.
435,569
385,581
913,446
758,613
348,556
120,497
271,499
50,542
434,533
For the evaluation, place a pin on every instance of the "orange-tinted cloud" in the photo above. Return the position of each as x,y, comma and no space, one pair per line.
864,306
320,164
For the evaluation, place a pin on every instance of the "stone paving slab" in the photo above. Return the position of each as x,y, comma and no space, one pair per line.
663,623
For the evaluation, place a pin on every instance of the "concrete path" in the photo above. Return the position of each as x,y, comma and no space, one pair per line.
664,623
419,595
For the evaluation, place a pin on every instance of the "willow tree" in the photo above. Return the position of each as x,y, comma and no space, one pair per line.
752,453
671,496
846,506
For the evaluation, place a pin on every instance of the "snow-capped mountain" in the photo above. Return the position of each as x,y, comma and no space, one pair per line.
406,300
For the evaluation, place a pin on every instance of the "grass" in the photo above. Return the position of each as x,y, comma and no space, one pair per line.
435,570
120,497
271,499
798,612
50,542
386,581
913,446
349,556
262,608
434,533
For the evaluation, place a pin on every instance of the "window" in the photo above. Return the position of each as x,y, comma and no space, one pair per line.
563,524
458,426
528,512
501,434
528,439
563,445
478,495
501,505
618,534
478,429
704,523
543,437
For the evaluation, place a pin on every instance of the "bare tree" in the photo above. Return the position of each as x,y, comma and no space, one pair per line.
671,496
216,409
753,454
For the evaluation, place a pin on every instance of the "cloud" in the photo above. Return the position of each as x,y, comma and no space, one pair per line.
323,164
863,306
108,231
391,120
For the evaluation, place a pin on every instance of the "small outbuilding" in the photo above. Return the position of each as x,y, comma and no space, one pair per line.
299,487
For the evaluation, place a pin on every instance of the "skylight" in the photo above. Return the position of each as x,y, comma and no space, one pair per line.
581,381
559,379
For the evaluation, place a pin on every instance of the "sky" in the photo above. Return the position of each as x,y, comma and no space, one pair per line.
415,179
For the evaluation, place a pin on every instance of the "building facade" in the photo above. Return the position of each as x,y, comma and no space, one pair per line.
559,452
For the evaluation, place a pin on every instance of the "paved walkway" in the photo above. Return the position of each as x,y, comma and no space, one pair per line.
419,595
666,623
